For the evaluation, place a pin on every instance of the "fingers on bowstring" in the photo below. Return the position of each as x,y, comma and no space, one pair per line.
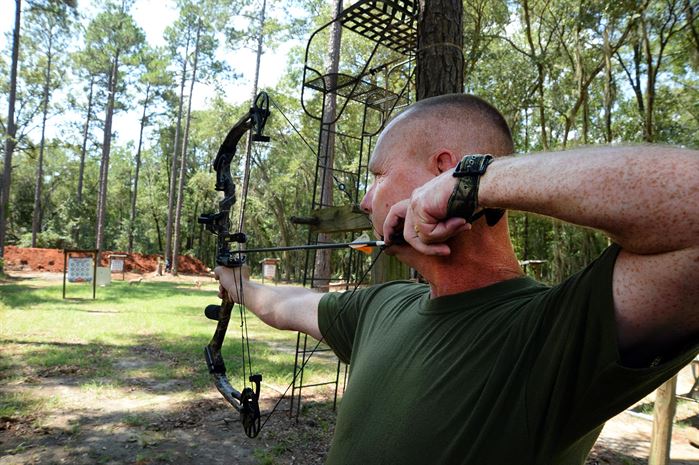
394,223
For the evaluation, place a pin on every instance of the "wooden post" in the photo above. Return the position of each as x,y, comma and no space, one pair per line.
65,270
663,414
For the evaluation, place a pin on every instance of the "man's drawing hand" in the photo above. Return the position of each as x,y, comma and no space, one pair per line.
422,218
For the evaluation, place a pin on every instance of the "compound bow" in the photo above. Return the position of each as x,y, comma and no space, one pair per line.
245,401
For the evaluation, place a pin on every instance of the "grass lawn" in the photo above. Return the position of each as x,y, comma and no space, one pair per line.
100,341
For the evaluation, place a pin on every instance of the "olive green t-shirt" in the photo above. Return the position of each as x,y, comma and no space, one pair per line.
513,373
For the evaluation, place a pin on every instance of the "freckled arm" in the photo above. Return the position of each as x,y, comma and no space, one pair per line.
646,198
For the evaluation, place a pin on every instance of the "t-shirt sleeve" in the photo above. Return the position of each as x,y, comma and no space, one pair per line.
577,375
338,317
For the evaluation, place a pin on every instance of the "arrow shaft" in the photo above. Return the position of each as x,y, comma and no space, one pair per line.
315,247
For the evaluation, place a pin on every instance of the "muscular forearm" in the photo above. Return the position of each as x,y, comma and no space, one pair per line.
645,197
277,305
282,307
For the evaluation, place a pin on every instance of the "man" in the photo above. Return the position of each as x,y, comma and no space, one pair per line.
485,365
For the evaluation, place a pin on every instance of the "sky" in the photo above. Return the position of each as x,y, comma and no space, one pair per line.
154,16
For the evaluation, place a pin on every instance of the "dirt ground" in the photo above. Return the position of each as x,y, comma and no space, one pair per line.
159,422
132,426
625,439
51,260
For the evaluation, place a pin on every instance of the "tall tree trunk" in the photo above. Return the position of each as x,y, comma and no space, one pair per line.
326,150
192,226
134,192
440,42
525,252
648,133
584,78
173,163
83,148
159,234
586,118
10,141
106,148
540,75
36,217
643,52
636,81
693,29
83,152
248,146
608,86
183,159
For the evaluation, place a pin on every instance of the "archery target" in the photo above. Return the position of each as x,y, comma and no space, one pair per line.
79,270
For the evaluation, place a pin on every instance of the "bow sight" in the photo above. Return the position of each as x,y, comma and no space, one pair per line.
245,401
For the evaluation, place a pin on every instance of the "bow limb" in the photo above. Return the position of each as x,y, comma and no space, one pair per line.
245,401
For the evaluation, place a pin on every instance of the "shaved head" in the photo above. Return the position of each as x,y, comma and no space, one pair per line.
427,140
462,123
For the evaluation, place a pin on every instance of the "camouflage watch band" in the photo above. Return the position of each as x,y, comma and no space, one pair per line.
463,202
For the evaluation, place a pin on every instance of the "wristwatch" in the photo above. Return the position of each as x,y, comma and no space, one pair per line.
463,202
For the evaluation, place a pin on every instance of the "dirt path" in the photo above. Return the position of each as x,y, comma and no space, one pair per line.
163,422
625,438
150,422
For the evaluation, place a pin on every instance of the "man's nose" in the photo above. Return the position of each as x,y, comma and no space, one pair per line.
365,204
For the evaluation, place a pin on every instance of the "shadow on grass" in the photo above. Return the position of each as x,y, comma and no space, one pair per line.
119,291
20,292
195,431
155,363
198,431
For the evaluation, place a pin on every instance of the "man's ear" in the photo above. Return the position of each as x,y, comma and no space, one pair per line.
442,161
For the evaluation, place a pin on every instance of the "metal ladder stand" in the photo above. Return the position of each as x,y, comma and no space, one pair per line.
375,89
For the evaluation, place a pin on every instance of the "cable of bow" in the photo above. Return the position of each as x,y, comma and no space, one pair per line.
245,401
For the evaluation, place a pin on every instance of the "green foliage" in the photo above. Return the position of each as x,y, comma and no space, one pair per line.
502,65
47,239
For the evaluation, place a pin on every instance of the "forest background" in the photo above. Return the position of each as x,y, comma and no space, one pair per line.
105,114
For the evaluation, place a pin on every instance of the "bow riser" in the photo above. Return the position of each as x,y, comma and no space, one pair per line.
245,401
